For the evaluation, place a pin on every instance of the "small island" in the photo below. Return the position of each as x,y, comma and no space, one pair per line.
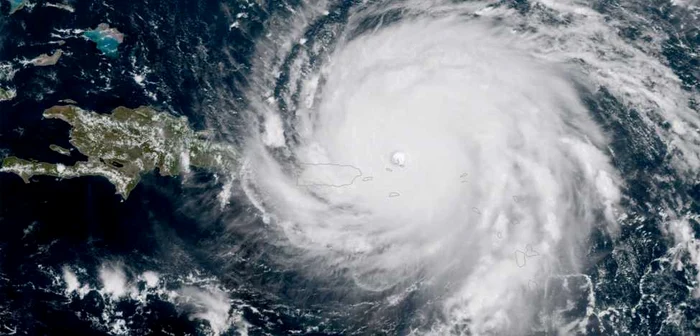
60,150
107,39
7,94
123,145
46,59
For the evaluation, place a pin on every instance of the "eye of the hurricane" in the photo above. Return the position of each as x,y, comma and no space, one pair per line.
439,152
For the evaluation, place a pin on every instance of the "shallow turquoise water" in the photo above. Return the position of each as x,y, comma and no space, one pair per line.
15,4
106,43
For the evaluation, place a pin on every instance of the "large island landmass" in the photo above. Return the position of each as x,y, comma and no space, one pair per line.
123,145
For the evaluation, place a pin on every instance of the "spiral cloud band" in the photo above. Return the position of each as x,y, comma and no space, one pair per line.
432,148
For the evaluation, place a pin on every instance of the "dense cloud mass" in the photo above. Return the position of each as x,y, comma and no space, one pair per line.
439,147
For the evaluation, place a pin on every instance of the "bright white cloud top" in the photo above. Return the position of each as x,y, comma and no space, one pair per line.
445,151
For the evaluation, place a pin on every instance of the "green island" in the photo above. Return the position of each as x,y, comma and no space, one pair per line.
123,145
7,94
60,150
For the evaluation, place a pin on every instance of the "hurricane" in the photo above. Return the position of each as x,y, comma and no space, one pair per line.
448,149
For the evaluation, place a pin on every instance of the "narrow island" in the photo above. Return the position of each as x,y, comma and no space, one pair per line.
123,145
46,59
60,150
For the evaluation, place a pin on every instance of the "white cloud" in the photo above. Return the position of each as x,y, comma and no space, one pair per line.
151,278
211,305
71,280
459,96
113,281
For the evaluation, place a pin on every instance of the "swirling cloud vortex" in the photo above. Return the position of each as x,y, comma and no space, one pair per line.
436,153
